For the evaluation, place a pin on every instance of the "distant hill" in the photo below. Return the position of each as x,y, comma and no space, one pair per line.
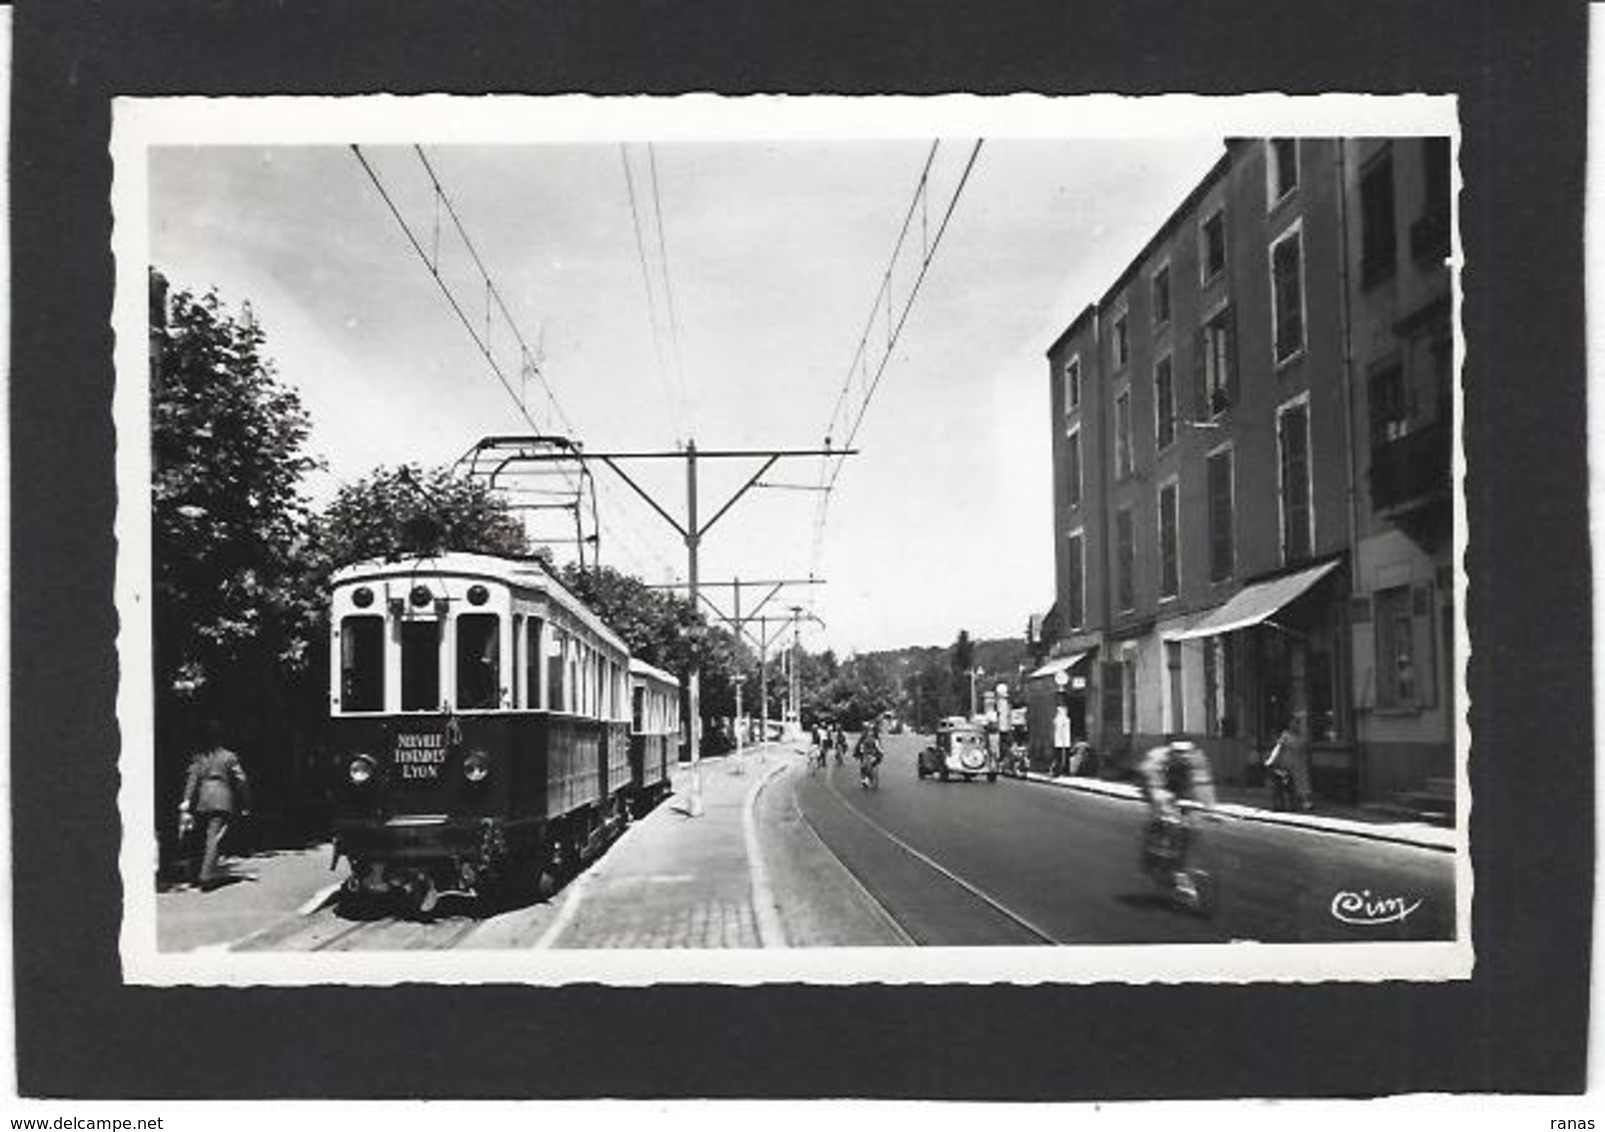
998,659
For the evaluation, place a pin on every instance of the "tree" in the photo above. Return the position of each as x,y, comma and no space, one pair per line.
406,510
232,608
663,629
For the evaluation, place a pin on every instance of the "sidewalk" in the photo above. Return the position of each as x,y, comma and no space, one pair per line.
717,881
261,890
1247,804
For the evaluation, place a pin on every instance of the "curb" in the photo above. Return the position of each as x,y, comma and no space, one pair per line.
1443,842
771,932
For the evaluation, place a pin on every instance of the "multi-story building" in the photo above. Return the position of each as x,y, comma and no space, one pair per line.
1213,551
1397,204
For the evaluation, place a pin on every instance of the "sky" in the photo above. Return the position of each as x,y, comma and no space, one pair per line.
775,255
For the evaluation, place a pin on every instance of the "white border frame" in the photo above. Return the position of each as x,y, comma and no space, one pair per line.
140,123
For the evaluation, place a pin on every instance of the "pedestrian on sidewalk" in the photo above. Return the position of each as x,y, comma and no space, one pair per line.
1293,753
215,789
1061,741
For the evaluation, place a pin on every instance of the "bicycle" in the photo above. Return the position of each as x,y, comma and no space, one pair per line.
1164,858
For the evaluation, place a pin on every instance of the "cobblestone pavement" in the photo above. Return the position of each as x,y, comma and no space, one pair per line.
676,881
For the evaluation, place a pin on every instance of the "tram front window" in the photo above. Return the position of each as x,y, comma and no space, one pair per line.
362,663
478,661
420,665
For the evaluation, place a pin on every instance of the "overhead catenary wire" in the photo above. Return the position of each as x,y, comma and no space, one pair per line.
671,392
493,295
830,472
663,265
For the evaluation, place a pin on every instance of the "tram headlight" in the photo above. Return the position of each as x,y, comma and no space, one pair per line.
476,766
360,770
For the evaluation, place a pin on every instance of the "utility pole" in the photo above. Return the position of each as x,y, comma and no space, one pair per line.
738,623
528,449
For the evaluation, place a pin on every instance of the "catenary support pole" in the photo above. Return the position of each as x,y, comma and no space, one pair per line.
693,537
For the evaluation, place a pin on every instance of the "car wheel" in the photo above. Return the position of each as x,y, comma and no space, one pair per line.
944,774
992,777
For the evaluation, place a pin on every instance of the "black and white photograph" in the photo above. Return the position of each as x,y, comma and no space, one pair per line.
899,540
571,562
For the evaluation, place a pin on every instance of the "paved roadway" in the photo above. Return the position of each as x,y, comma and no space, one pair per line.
973,863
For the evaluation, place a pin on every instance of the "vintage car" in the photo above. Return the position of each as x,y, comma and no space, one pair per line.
961,748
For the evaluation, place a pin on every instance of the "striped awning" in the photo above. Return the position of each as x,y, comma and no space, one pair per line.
1254,604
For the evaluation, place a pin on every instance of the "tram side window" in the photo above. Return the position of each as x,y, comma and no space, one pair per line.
420,665
532,657
638,715
479,662
362,663
556,669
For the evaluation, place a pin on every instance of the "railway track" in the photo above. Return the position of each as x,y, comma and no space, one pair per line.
1026,930
325,930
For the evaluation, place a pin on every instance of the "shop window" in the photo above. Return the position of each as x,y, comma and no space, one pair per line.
1404,636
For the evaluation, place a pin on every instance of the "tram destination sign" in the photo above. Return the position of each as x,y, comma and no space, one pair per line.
419,755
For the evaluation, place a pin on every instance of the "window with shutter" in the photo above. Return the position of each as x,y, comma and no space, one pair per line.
1123,460
1072,460
1293,438
1113,678
1077,614
1221,557
1125,559
1164,404
1169,568
1287,294
1379,238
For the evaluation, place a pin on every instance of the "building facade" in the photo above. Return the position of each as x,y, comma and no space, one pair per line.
1219,558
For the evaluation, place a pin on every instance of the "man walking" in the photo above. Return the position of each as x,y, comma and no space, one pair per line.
215,789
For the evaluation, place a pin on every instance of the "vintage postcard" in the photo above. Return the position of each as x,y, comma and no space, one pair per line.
743,540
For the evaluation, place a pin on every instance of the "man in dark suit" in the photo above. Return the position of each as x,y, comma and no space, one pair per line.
215,789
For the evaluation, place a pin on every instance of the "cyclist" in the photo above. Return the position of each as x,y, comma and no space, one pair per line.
869,753
839,741
1168,773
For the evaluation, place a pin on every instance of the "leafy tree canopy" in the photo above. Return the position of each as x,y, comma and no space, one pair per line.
408,510
228,518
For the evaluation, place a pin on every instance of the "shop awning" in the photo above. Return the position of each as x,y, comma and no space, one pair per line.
1060,664
1254,604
